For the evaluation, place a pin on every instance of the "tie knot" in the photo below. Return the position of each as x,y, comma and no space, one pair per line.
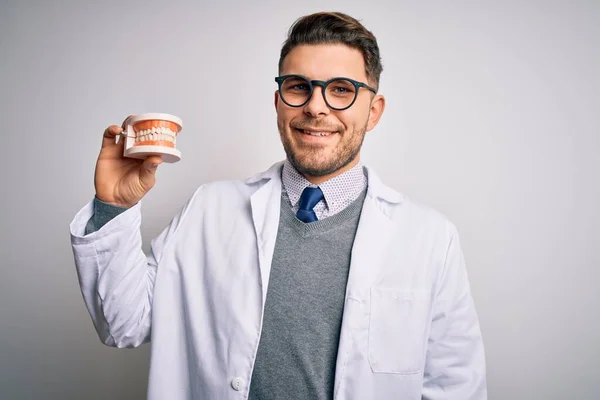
310,197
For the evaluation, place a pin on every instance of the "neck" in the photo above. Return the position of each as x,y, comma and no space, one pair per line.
317,180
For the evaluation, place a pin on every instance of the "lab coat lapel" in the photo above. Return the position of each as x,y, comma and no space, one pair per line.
374,235
265,206
369,253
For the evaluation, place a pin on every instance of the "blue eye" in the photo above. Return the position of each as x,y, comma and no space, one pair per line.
300,86
340,89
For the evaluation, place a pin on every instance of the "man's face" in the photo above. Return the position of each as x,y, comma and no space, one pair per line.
321,157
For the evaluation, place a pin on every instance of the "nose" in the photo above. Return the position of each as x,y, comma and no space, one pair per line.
316,106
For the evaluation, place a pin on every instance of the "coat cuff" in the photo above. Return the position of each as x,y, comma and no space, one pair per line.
103,213
95,220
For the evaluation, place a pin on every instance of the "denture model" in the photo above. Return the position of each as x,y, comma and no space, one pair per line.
152,134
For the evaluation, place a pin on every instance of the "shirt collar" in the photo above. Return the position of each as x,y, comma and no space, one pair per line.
336,190
376,189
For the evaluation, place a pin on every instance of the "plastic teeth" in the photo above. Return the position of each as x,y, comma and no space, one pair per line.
154,134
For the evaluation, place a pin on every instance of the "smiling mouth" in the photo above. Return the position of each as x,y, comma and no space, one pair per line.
314,133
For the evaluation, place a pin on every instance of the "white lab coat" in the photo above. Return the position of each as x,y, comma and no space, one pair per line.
409,330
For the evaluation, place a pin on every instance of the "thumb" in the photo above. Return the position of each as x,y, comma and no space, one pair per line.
148,170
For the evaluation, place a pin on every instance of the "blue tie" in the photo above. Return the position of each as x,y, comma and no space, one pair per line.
310,197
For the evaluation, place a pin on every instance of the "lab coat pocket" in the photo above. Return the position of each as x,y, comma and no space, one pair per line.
397,328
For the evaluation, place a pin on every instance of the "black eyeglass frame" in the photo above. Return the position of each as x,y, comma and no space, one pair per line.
323,85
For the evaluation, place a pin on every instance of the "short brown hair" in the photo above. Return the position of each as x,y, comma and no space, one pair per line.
335,27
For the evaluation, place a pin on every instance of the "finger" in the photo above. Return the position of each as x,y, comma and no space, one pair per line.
108,139
124,132
151,162
148,170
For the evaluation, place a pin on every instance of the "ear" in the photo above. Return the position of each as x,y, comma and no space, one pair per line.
276,101
377,107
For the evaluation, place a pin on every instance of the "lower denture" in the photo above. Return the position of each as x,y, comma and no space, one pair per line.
164,143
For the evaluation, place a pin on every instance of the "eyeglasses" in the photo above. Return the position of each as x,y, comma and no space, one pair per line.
339,93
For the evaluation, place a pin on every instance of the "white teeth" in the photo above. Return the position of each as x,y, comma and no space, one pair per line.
155,133
317,133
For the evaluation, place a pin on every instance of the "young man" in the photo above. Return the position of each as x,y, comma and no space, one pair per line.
311,280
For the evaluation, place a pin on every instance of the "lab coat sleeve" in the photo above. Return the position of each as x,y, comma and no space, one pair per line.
455,367
116,277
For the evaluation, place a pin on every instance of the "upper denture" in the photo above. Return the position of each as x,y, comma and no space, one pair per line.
149,124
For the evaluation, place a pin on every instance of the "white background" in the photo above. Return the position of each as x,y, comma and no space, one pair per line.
493,118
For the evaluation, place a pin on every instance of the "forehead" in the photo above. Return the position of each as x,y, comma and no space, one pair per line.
325,61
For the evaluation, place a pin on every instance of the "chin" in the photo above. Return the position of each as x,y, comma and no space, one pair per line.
317,165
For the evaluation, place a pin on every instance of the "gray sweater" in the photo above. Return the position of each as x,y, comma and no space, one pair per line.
305,301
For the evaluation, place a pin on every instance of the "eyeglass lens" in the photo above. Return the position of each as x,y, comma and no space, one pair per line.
339,93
